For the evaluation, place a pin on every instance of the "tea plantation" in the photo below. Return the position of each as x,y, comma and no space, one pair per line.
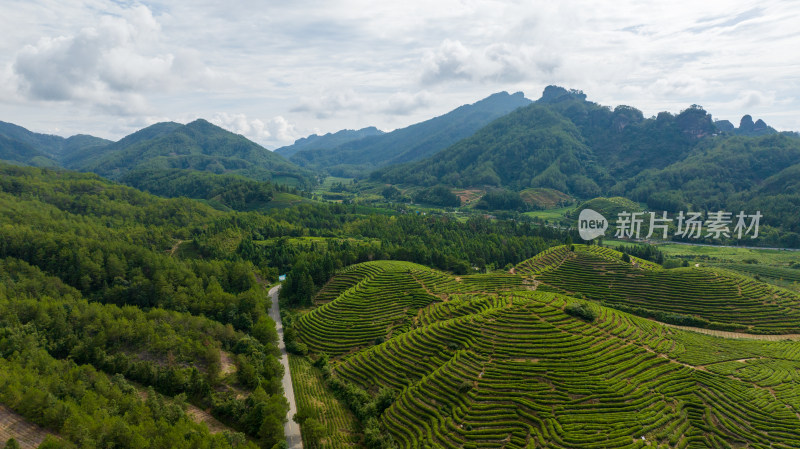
493,361
703,297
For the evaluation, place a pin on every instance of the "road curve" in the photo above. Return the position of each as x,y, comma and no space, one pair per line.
291,429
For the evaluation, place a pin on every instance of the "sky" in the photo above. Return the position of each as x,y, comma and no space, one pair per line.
276,71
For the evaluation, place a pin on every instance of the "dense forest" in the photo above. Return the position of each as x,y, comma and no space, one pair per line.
90,275
142,299
221,191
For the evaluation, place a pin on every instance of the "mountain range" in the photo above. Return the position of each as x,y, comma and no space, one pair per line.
329,140
360,155
670,162
561,142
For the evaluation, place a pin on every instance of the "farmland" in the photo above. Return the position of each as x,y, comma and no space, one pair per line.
497,360
707,297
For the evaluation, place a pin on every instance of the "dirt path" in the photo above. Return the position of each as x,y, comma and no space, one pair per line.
199,415
291,429
726,334
12,425
226,363
175,247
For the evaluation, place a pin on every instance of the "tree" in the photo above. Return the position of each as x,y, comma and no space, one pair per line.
265,331
313,431
12,444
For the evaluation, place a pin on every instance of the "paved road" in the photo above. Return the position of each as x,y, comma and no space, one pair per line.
726,334
291,429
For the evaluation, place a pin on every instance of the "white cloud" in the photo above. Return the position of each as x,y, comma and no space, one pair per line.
327,105
339,64
337,103
111,66
492,63
450,61
277,130
402,103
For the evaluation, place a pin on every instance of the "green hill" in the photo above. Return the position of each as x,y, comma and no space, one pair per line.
530,147
17,144
443,361
22,153
359,157
197,146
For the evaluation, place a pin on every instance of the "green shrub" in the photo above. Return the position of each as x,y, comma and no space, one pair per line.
581,310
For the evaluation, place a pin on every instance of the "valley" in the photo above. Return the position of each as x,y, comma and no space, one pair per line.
425,287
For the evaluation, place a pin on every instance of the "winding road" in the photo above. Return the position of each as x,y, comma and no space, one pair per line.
291,429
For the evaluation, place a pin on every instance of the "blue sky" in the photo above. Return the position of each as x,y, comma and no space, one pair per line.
277,71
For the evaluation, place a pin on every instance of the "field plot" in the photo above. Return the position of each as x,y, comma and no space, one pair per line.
14,426
312,396
485,362
711,297
730,254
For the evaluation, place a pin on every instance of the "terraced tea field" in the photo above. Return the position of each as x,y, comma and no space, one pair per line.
720,298
486,362
312,396
373,300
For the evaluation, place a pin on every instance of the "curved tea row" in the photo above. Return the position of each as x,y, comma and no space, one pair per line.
527,375
717,297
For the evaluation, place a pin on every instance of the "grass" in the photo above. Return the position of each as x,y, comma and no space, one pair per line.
331,180
730,254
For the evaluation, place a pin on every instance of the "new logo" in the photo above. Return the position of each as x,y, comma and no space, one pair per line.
591,224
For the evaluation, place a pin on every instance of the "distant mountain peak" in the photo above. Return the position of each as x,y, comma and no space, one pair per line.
746,124
747,127
555,94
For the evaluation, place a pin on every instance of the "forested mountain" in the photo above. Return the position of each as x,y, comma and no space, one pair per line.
95,295
500,155
412,143
153,152
198,145
16,151
567,143
20,145
327,141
